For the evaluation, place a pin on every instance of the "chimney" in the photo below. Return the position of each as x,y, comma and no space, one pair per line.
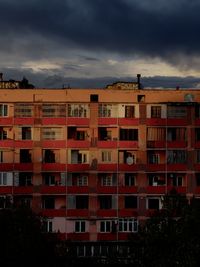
138,81
1,76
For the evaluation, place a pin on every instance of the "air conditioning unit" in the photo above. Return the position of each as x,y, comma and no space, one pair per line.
130,160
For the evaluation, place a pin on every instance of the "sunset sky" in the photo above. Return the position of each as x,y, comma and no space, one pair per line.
91,42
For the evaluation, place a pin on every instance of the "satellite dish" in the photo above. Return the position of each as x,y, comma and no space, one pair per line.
189,98
129,160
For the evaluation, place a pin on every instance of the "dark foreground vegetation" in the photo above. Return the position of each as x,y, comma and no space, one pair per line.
170,238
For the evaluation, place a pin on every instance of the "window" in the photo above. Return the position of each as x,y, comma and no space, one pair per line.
128,225
49,179
94,98
51,133
141,98
51,110
77,110
25,179
49,156
3,178
155,111
78,157
129,134
153,203
129,179
105,110
156,180
47,226
197,179
176,156
26,133
176,134
106,156
82,181
105,202
156,134
82,202
197,156
23,110
197,111
49,203
1,156
106,181
105,134
176,112
25,156
3,134
154,158
176,180
130,202
129,112
197,134
3,110
80,226
105,226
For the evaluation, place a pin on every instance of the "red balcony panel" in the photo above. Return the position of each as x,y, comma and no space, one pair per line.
128,213
176,144
156,167
78,144
125,236
197,144
128,144
78,236
156,189
6,143
155,121
24,166
77,189
106,213
176,122
6,189
107,189
53,121
24,121
78,167
78,121
23,189
128,121
177,167
23,143
156,144
107,167
78,213
107,236
107,121
179,189
54,212
127,189
151,212
197,121
6,121
53,167
54,143
107,144
45,189
197,190
6,166
197,167
129,168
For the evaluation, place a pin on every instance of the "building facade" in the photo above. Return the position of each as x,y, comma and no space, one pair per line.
95,163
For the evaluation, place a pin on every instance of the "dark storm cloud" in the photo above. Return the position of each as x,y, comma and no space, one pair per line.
152,28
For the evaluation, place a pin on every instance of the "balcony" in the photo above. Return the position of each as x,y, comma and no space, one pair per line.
77,189
176,144
155,167
53,167
107,144
24,121
107,189
156,144
78,167
128,121
128,144
45,189
6,143
160,189
128,168
78,213
128,213
23,143
127,189
107,167
6,166
177,167
176,122
76,121
106,213
53,121
27,190
107,236
53,212
77,143
6,121
78,236
178,189
6,189
107,121
156,122
54,144
23,166
197,144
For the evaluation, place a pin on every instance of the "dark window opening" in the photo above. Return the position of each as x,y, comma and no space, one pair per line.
25,156
94,98
49,156
129,134
140,98
198,179
25,179
49,179
129,179
81,202
3,134
75,134
197,134
156,112
49,203
130,202
104,134
129,111
153,203
26,133
105,202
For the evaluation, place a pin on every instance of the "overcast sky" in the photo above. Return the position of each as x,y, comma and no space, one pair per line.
91,42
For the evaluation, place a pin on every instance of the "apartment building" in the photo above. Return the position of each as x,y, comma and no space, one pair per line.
95,163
